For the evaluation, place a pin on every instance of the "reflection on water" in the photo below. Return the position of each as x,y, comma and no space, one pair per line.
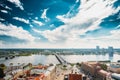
80,58
36,59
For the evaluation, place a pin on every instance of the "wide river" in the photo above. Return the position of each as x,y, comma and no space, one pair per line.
47,59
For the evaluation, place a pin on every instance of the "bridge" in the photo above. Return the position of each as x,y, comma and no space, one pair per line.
61,60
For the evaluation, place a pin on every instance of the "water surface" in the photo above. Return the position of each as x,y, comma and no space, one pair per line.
47,59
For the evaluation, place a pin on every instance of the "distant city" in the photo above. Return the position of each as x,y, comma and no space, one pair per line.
9,52
60,64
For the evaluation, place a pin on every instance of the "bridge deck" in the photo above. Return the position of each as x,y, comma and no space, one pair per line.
60,59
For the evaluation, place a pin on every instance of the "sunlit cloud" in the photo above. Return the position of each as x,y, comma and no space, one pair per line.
44,15
88,18
60,24
4,11
14,31
38,22
17,3
21,19
8,8
2,19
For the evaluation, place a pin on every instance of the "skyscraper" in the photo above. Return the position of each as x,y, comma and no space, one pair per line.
110,51
97,49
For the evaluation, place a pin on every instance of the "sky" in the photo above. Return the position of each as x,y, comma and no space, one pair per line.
59,23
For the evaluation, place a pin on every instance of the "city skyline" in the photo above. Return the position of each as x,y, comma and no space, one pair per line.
59,23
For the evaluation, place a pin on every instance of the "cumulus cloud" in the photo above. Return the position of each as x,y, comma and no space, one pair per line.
17,32
21,19
17,3
88,18
38,22
90,15
4,11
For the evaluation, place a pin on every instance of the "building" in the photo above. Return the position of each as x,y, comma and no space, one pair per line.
34,72
115,68
110,51
50,73
94,69
73,77
89,67
97,49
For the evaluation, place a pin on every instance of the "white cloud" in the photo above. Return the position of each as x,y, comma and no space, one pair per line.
72,10
118,27
38,22
21,19
2,19
43,16
17,3
52,26
1,44
89,17
31,25
17,32
4,11
77,1
35,30
8,8
36,18
115,34
107,40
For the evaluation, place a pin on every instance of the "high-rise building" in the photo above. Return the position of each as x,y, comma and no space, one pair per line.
97,49
110,51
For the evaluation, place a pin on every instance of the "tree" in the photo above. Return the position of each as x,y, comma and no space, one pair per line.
30,65
2,67
78,64
1,73
103,66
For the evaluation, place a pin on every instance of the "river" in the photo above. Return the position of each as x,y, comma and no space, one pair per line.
47,59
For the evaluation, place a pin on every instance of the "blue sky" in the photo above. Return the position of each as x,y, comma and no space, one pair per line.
59,23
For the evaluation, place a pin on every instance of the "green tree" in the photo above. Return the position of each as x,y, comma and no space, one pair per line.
2,68
1,73
103,66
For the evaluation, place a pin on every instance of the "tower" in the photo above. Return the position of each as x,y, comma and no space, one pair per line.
110,51
97,49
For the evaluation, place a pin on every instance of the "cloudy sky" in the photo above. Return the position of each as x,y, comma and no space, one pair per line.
59,23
